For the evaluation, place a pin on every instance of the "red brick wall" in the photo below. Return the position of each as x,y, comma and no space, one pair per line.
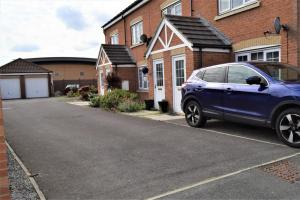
4,184
242,26
253,23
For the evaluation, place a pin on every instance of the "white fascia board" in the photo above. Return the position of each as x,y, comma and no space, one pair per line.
188,43
161,26
18,74
216,50
258,47
121,65
125,14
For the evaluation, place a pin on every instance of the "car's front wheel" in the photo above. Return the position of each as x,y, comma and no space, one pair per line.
288,127
193,115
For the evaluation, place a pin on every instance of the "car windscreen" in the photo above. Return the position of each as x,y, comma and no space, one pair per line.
280,72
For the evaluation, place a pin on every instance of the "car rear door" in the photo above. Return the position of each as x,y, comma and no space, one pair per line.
211,92
244,102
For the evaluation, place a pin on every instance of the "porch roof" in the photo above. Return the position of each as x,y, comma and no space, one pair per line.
118,54
199,32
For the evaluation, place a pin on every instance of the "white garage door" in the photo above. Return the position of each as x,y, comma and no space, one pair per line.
36,87
10,88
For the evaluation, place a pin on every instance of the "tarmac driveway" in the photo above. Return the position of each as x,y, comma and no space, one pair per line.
86,153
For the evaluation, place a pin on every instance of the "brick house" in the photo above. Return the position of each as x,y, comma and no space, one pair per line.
179,36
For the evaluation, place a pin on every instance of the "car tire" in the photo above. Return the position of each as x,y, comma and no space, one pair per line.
193,115
288,127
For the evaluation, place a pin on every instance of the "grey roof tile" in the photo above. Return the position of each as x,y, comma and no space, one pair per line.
199,31
22,66
118,54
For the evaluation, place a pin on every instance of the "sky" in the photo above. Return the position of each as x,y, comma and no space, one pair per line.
54,28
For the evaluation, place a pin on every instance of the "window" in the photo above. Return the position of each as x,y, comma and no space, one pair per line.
227,5
281,72
242,58
143,80
136,32
180,72
114,39
271,55
215,75
174,9
159,75
239,74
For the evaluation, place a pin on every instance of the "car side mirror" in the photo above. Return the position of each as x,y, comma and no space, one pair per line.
254,80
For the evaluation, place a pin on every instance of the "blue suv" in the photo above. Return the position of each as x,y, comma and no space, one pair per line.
262,93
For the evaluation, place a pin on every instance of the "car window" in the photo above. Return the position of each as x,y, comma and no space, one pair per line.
239,74
281,72
215,75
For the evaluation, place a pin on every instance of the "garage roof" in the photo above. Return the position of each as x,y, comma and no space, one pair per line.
46,60
22,66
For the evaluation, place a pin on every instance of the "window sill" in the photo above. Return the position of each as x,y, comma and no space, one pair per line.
136,45
143,90
239,10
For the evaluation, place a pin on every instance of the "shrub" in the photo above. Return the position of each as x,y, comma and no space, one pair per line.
86,92
130,106
71,94
95,101
117,99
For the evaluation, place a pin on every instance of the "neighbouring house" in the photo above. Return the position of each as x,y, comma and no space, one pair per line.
69,70
167,39
23,79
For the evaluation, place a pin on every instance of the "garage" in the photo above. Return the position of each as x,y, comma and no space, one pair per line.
36,87
10,88
21,79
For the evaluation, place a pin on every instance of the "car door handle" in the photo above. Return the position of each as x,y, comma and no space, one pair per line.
198,88
228,90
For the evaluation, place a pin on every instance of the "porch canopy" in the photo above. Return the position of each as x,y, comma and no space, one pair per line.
115,56
196,33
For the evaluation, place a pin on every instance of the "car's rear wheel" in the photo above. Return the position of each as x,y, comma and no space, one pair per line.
288,127
193,115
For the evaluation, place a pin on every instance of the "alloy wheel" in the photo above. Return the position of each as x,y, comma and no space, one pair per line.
193,114
290,128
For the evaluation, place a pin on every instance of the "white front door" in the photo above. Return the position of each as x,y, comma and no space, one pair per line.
101,81
36,87
10,88
159,83
179,77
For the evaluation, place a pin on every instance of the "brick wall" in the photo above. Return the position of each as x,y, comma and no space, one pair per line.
4,184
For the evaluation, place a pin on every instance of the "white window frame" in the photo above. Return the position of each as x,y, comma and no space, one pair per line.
143,81
135,33
114,39
173,10
265,51
231,8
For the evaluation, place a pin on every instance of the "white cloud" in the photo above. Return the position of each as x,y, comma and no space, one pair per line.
34,28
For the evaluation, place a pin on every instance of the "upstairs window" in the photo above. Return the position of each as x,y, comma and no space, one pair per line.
174,9
136,32
227,5
114,39
270,55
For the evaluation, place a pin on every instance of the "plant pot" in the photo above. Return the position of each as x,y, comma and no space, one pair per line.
163,106
149,104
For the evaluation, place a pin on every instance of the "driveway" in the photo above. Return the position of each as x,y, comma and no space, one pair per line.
86,153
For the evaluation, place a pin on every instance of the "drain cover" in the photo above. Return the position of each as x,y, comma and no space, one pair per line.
285,170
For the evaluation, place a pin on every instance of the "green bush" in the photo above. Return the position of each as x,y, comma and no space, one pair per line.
72,94
130,106
117,99
95,101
